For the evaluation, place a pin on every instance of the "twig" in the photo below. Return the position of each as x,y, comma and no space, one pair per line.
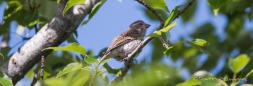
148,39
183,9
159,17
36,72
164,43
42,70
154,12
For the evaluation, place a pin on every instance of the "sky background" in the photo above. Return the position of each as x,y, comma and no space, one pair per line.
114,17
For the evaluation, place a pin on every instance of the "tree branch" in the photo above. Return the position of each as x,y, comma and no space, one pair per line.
148,39
52,34
36,74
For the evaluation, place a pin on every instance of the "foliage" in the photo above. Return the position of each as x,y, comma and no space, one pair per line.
68,69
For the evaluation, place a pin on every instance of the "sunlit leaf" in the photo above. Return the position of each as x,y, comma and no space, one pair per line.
168,51
161,4
167,28
80,79
159,32
193,44
6,81
200,42
238,63
156,34
71,3
173,14
69,68
1,56
94,10
73,47
55,81
58,1
89,59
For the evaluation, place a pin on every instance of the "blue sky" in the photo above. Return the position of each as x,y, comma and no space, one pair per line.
114,17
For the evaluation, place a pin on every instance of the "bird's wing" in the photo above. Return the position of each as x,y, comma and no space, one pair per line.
119,41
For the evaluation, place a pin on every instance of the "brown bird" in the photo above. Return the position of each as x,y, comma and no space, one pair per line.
126,42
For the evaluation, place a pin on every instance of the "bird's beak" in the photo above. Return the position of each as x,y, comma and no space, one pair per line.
147,25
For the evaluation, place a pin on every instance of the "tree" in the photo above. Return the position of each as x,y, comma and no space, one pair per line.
78,69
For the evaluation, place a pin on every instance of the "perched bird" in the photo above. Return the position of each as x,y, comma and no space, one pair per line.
126,42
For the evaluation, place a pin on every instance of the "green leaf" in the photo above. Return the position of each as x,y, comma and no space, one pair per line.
80,79
111,70
216,4
90,60
58,1
73,47
156,34
6,81
55,81
167,28
238,63
94,11
1,55
159,32
168,51
161,4
200,42
193,44
173,14
69,68
71,3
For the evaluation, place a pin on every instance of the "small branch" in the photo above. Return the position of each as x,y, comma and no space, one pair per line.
42,70
164,43
36,72
154,12
183,9
148,39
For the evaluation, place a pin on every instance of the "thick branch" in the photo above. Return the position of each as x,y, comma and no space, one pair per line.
148,39
52,34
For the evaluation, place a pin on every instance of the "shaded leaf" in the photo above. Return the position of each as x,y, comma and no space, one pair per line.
161,4
69,68
73,47
238,63
111,70
168,51
71,3
216,4
94,11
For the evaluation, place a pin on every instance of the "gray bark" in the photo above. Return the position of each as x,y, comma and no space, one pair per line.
52,34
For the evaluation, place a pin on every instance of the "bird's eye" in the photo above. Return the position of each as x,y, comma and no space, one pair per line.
140,23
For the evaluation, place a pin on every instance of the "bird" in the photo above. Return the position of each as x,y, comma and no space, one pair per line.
125,43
